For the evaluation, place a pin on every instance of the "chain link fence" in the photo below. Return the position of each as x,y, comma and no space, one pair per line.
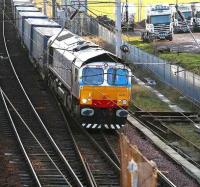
186,82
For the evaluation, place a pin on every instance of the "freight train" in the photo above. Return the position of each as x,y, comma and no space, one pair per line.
92,83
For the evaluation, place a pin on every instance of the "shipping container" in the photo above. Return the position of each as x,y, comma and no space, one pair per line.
25,15
24,4
19,1
41,36
24,9
29,24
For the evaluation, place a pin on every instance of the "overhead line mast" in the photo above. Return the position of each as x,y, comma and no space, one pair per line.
118,39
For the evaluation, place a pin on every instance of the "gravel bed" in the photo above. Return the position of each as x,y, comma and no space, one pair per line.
8,172
165,164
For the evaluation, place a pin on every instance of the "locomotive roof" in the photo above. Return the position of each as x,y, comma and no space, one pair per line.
83,51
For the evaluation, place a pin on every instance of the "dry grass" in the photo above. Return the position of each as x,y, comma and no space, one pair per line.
100,42
146,100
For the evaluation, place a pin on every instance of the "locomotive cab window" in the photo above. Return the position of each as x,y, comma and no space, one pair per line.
117,77
93,76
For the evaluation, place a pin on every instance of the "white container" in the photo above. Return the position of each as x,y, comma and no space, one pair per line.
24,9
24,4
41,36
29,25
25,15
19,1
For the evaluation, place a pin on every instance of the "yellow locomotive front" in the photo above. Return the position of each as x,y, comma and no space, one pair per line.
105,92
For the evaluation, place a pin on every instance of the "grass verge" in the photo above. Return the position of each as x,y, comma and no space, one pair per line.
146,100
172,94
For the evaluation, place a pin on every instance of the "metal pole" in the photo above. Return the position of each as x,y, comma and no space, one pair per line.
139,10
45,7
118,39
53,8
64,8
127,11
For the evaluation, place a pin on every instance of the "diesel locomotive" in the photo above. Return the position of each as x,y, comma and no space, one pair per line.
92,83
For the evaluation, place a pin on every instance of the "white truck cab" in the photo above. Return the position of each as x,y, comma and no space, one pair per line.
196,15
179,24
159,23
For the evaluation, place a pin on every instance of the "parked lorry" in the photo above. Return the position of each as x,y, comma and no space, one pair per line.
159,23
179,24
196,15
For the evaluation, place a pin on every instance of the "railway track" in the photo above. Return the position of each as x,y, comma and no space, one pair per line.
39,153
12,150
109,141
39,162
68,158
157,122
103,169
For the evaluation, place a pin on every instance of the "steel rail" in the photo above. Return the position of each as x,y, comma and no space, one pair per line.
86,165
89,175
158,131
167,131
10,117
115,166
20,142
113,153
167,182
25,124
78,182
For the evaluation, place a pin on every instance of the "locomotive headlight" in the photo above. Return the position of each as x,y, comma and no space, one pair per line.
124,102
84,101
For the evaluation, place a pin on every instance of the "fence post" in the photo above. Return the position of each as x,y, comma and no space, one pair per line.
177,76
164,71
193,85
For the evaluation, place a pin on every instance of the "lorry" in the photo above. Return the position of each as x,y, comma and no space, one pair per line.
196,15
159,23
179,24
